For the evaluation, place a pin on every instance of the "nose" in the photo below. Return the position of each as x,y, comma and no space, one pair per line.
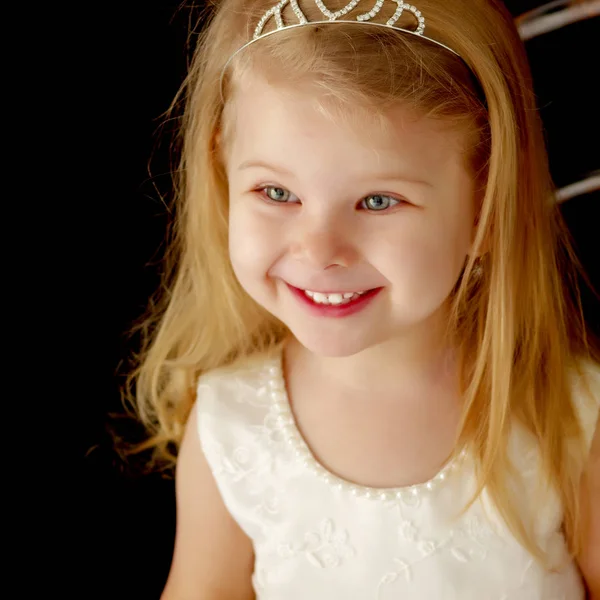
323,245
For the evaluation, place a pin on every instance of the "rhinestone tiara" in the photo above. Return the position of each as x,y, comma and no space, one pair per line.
335,17
275,11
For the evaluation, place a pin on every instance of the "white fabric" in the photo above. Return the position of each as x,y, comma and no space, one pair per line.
315,540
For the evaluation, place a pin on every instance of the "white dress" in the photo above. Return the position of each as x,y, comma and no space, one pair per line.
317,537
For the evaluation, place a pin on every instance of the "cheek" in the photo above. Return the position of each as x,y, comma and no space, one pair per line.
426,265
252,245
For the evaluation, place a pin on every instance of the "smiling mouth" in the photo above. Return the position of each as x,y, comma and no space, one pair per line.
335,304
334,298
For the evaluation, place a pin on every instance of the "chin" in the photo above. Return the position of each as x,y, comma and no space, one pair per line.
334,344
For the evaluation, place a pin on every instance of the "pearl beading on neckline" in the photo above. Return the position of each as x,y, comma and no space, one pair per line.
287,424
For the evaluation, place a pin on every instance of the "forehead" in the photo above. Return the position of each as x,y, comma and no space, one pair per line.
280,122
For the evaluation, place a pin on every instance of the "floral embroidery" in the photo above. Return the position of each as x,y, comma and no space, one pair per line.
471,540
464,543
250,391
407,531
426,547
403,570
325,548
270,431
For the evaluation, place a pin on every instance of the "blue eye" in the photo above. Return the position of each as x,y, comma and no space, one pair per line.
378,202
277,194
373,202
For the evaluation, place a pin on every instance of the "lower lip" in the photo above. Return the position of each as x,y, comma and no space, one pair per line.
331,310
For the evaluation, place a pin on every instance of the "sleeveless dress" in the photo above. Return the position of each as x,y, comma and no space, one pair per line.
317,537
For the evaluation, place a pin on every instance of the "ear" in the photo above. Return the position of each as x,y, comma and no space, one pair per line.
480,240
216,145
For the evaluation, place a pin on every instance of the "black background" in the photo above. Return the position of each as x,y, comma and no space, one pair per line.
123,68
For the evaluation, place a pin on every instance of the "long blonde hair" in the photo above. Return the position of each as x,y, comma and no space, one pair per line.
519,331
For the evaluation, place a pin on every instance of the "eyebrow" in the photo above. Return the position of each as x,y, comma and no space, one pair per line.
389,177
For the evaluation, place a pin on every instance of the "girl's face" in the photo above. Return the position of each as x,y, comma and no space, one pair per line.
328,207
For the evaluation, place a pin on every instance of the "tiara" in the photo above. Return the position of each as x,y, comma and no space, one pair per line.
335,17
275,11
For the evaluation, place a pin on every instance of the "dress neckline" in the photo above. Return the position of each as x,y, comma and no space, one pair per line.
291,433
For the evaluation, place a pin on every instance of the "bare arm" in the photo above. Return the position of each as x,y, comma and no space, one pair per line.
589,561
213,559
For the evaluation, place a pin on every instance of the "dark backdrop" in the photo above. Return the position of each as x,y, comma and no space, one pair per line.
125,66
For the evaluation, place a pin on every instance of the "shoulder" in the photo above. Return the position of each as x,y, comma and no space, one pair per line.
586,396
237,382
587,372
244,381
232,401
238,428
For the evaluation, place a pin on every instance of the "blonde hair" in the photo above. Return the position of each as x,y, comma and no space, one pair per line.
519,332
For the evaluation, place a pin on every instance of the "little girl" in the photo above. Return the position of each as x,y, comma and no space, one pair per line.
377,380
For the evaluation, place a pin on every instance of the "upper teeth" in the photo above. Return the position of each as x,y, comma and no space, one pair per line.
336,298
